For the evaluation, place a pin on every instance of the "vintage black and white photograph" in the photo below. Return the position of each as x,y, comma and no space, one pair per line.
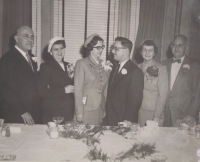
100,80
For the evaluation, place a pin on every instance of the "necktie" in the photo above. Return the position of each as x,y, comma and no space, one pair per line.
116,71
178,61
29,61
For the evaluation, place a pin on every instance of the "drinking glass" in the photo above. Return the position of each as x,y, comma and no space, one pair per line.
135,128
69,126
58,120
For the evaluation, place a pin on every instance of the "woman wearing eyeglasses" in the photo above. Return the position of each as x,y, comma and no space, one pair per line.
55,84
155,85
90,82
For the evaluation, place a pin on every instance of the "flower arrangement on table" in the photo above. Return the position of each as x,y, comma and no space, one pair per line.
90,135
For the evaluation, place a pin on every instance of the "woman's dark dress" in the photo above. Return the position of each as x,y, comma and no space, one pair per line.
51,86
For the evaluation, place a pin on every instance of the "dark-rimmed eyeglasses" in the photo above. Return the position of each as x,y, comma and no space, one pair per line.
117,48
177,45
27,37
99,47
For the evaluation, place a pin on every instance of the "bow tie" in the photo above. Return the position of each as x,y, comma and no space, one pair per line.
178,61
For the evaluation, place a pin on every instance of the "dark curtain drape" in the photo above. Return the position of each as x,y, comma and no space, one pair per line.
15,14
151,22
194,40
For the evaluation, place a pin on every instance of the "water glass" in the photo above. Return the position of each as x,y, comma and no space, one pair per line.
135,128
69,126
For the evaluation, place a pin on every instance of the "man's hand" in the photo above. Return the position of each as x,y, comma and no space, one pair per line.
79,118
69,89
27,118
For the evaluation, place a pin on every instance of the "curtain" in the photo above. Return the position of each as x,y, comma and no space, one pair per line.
194,34
15,14
151,22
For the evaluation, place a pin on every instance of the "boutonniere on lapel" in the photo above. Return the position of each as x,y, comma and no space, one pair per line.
34,59
70,70
186,66
107,65
152,72
124,71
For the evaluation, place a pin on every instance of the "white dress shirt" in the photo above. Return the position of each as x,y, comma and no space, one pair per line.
174,71
122,64
22,52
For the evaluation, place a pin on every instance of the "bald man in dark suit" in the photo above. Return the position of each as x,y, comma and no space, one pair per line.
20,101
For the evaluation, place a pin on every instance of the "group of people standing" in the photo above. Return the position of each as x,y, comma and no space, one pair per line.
97,92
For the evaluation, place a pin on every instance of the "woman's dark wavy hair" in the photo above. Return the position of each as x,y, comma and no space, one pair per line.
149,42
59,42
93,42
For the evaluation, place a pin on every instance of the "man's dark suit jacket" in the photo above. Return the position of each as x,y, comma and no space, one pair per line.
18,88
124,94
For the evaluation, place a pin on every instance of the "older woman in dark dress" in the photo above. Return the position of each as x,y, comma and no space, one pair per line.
56,84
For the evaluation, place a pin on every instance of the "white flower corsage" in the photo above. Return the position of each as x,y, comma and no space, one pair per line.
34,59
107,65
84,100
70,70
186,66
124,71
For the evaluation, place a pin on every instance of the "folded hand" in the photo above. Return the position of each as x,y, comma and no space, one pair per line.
27,118
69,89
79,118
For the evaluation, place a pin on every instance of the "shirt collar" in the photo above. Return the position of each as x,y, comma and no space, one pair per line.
122,63
22,52
95,59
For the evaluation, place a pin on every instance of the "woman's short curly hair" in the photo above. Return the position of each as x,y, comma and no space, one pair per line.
150,42
93,42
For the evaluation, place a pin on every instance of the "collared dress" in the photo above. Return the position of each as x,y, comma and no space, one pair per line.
154,94
90,84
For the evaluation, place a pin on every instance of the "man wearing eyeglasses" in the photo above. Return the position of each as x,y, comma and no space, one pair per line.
18,78
126,83
183,74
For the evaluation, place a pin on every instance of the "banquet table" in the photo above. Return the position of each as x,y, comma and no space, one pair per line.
34,144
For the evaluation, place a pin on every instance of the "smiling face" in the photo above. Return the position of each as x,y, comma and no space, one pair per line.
24,38
148,52
57,52
97,50
178,47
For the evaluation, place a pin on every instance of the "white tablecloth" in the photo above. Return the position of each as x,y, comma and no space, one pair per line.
34,144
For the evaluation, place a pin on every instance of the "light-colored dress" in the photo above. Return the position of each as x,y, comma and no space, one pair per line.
154,94
90,84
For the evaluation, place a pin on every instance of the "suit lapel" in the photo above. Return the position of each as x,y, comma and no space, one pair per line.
180,73
168,66
119,75
22,61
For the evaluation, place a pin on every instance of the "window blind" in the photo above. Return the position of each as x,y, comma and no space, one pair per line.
74,29
74,24
36,27
57,18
